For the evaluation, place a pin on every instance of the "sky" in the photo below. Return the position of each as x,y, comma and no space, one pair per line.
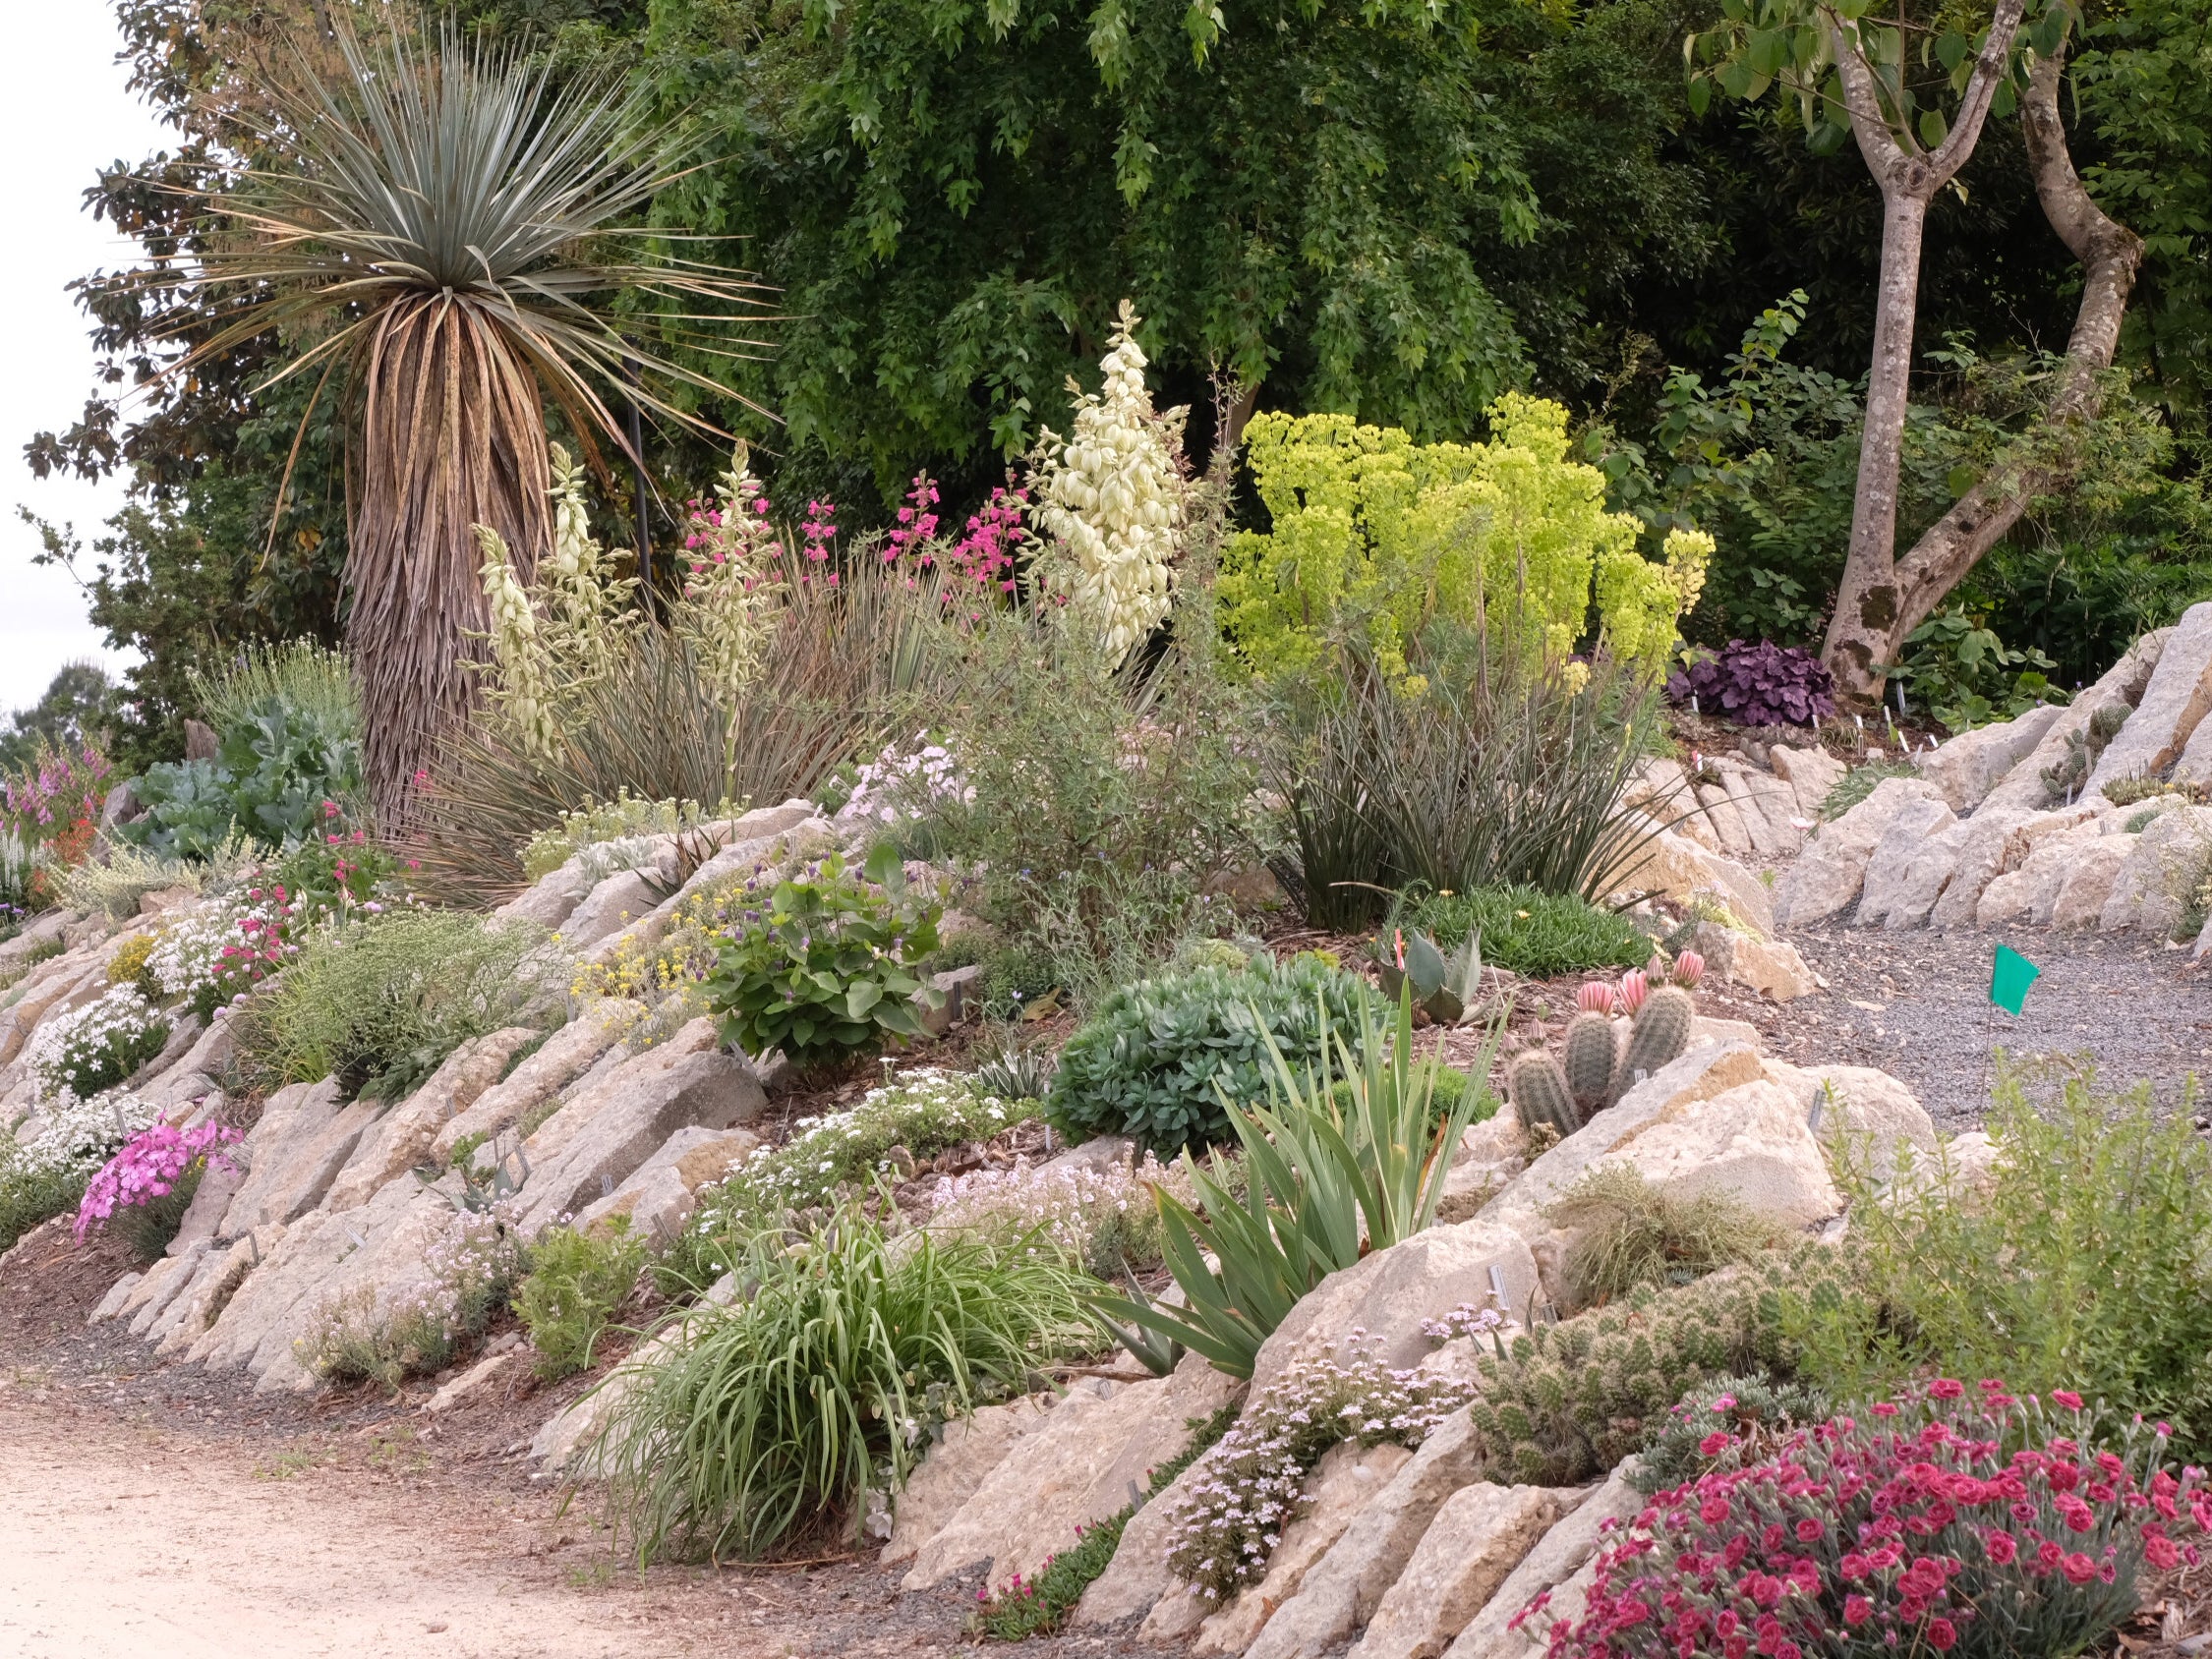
65,113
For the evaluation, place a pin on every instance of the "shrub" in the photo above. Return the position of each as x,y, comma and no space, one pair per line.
55,802
279,775
127,965
2085,1260
826,962
114,886
575,1283
1526,931
143,1190
385,1337
924,1111
1099,806
1756,685
1154,1059
1939,1523
94,1047
1480,770
1249,1488
380,1003
781,1410
1375,532
1634,1233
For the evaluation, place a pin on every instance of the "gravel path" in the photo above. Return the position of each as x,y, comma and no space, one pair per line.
1916,1005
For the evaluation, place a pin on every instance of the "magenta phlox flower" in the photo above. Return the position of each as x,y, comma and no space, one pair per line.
150,1167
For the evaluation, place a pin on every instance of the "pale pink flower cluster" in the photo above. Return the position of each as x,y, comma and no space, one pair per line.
1249,1485
898,784
1090,1215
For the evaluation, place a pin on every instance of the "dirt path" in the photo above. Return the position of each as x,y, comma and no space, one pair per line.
1916,1005
123,1542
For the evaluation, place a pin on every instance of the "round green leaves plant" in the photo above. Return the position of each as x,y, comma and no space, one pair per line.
1147,1063
827,961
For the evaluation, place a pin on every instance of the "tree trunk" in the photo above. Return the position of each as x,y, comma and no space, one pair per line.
1868,602
2110,256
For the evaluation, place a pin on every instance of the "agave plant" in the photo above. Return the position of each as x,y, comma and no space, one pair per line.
1328,1178
438,224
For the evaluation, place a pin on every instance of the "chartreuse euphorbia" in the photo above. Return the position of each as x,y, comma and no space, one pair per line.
1376,533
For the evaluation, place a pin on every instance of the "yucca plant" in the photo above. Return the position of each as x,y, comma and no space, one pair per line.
438,221
1330,1175
778,1413
842,669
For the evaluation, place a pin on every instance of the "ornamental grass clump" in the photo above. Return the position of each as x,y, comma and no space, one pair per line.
774,1417
1947,1521
380,1004
144,1190
1249,1488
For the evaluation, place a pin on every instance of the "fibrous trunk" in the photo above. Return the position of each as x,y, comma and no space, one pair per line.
451,434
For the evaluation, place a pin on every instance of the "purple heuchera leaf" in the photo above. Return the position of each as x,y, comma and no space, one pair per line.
1757,684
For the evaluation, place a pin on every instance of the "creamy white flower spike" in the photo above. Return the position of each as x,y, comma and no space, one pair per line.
1112,497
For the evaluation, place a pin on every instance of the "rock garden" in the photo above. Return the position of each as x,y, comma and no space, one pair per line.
1270,1038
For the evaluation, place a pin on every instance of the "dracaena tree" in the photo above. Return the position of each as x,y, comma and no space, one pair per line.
1914,91
438,222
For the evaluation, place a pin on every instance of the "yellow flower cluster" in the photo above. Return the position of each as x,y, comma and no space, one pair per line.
1374,531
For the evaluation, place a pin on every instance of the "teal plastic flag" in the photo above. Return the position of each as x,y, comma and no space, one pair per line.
2010,977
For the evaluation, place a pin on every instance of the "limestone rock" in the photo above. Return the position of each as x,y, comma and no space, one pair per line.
2024,789
1724,818
402,1138
564,1056
2152,888
1870,1117
1749,1143
293,1154
1826,878
2086,886
117,1293
1342,1591
603,1136
1348,1478
219,1182
1966,768
607,909
972,1448
1767,804
1888,882
1809,773
1137,1582
1558,1557
761,837
163,1282
1988,844
1673,864
2170,708
184,1034
478,1379
1391,1293
1913,889
1074,1469
657,1196
1477,1540
551,899
1773,967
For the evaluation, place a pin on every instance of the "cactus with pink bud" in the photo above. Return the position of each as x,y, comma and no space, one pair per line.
1538,1087
1660,1034
1629,995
